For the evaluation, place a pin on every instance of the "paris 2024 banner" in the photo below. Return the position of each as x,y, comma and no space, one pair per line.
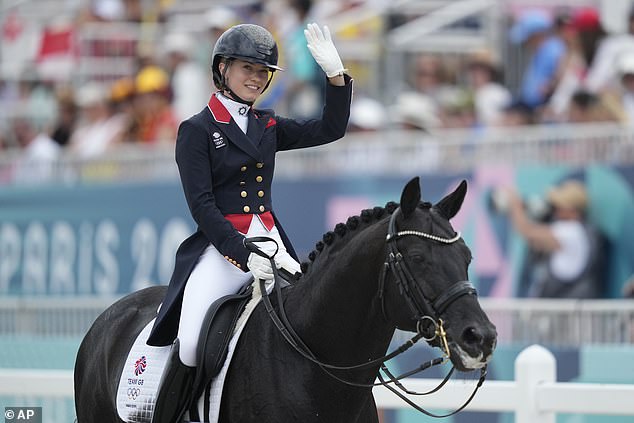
111,239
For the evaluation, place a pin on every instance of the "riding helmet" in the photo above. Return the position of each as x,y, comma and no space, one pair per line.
247,42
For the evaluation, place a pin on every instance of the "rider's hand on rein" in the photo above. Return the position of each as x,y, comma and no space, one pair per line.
260,267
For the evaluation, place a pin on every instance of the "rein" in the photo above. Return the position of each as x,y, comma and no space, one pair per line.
286,329
429,325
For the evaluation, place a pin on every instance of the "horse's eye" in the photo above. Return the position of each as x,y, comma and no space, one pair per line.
417,258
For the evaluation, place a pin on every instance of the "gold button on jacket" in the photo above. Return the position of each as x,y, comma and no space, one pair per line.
246,209
243,194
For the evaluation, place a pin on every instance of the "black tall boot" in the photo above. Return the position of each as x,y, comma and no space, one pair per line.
174,394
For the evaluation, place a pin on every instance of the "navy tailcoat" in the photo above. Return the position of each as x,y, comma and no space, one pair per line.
225,171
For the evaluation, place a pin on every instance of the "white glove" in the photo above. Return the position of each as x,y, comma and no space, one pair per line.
323,50
283,260
260,267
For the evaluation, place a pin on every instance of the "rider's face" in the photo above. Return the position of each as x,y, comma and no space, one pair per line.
246,79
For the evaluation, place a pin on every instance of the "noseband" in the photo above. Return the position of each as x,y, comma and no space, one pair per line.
425,312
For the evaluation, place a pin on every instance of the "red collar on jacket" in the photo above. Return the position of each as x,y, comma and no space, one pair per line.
218,110
222,115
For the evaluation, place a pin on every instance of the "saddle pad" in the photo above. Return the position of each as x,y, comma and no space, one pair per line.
218,383
140,379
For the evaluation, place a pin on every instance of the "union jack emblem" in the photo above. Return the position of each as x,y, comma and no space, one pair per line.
140,365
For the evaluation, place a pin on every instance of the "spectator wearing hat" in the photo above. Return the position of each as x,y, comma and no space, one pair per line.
98,128
366,115
189,83
533,29
414,111
603,71
38,153
216,20
418,116
586,23
567,249
490,97
121,103
155,117
432,77
581,31
586,107
621,98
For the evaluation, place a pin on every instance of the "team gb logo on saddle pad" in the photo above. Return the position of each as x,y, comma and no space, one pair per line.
135,393
140,365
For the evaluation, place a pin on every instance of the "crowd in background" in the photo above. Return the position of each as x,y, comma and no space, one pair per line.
575,71
571,71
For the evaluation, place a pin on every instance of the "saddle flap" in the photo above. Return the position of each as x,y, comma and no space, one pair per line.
215,334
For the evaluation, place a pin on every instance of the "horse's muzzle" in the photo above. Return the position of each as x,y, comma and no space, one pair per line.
475,347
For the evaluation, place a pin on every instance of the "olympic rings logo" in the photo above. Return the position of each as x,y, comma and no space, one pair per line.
133,393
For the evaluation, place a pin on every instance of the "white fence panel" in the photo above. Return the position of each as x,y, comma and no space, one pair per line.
577,398
534,396
36,383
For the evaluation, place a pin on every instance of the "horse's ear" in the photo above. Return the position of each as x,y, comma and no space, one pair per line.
410,197
449,206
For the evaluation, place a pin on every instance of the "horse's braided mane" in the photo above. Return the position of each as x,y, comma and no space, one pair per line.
367,217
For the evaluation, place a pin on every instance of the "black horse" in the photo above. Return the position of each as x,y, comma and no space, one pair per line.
345,308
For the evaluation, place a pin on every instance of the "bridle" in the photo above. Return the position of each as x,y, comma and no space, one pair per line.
426,313
423,310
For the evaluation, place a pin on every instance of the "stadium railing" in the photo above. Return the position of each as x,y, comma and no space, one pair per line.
388,152
569,323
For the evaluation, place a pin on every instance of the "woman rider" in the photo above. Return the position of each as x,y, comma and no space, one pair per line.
226,156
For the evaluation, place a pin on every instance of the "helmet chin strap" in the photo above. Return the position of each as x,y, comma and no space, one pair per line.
235,97
232,95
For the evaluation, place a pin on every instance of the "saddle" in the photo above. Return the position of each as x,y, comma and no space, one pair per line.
144,370
215,334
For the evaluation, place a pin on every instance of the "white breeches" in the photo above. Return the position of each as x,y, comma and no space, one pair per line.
213,277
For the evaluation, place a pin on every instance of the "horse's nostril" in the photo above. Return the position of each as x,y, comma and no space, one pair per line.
472,336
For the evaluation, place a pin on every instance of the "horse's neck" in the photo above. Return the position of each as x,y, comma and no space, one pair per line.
336,306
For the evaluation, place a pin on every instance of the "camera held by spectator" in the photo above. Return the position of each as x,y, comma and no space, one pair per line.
536,207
